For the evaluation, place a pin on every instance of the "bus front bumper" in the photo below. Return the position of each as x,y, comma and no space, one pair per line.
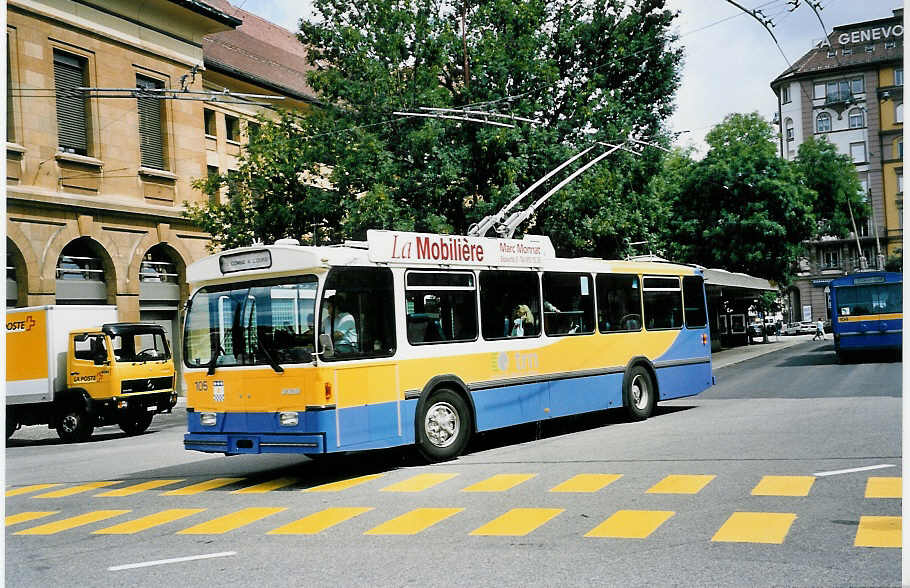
237,443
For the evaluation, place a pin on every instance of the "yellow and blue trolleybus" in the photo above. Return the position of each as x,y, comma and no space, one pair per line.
424,339
867,312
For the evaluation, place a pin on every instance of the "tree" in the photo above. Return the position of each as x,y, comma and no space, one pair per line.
741,208
838,192
589,71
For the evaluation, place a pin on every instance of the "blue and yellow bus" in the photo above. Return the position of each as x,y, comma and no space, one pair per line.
422,339
867,312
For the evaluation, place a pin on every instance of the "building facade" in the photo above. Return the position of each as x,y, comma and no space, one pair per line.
849,90
98,175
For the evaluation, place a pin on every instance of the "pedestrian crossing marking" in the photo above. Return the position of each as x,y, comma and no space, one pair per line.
419,483
267,486
147,522
136,488
517,522
235,520
499,483
76,489
586,483
882,487
413,522
320,521
878,532
681,484
24,517
202,486
27,489
755,527
631,524
343,484
72,522
784,486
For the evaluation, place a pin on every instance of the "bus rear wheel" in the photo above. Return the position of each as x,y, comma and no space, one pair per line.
443,426
639,394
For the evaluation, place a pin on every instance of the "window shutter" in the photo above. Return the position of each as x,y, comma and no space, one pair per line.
151,139
71,123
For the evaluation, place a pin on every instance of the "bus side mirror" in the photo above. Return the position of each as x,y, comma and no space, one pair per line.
328,348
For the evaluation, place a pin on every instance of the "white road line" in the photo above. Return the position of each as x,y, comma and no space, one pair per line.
161,562
852,470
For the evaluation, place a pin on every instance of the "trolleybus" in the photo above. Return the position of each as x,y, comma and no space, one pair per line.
867,312
423,339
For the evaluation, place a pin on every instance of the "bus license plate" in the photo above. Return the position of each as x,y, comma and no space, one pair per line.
152,408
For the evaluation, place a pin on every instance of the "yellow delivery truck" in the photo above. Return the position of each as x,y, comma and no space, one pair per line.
75,368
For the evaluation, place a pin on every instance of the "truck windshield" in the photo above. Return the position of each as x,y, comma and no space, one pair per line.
252,323
137,345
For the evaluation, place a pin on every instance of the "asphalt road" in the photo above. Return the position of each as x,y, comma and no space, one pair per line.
728,488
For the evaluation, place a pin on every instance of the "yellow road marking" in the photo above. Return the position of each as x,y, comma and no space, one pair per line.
72,522
320,521
631,524
27,489
517,522
343,484
586,483
76,489
147,522
681,484
24,517
267,486
137,488
235,520
882,487
755,527
411,523
419,483
784,486
878,532
499,483
202,486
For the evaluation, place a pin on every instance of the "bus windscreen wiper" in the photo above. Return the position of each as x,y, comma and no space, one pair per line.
217,352
271,358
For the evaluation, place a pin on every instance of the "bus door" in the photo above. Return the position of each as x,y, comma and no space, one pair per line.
367,403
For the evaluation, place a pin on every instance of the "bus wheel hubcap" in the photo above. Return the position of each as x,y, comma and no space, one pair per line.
639,393
441,424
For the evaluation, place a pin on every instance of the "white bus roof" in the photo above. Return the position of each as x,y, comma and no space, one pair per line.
416,250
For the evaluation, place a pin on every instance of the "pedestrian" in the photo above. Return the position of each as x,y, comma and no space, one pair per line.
819,329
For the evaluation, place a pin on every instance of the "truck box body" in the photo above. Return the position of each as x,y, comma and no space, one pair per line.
37,338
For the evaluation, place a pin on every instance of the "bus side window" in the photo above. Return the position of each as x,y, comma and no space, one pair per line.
441,307
358,312
694,298
568,307
509,304
618,303
662,302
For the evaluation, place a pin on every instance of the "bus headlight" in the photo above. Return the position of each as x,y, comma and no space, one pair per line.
288,419
208,419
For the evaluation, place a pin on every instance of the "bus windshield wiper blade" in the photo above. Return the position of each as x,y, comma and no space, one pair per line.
272,362
217,352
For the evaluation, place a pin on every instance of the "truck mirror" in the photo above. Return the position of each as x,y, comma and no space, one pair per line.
100,358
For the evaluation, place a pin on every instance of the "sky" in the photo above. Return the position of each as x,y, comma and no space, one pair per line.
730,59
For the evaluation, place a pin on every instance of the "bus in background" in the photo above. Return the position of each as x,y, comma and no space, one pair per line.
425,339
866,312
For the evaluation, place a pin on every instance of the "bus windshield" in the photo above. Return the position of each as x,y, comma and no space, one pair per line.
869,299
266,322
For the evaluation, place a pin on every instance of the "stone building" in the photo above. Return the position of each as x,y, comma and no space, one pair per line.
849,89
96,184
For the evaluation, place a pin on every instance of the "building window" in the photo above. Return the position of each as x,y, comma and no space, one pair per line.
900,181
856,85
847,51
858,152
785,93
870,48
819,91
72,111
232,126
898,76
212,173
10,122
831,53
209,120
900,149
890,44
856,118
839,91
830,259
151,124
823,122
252,130
789,129
899,112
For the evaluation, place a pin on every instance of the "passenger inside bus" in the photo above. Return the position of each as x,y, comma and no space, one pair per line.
522,322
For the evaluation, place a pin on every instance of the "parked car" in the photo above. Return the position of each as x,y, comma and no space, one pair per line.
806,328
755,330
791,329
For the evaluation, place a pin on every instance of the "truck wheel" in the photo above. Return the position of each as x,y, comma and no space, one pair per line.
444,426
135,424
75,425
639,394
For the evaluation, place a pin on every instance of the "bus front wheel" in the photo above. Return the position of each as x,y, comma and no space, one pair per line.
639,394
444,426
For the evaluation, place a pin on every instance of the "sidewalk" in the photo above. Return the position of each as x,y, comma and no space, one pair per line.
734,355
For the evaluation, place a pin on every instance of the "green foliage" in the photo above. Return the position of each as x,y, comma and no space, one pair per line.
895,263
590,71
832,176
741,208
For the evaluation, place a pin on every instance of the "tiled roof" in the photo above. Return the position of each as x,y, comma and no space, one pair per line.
817,61
260,51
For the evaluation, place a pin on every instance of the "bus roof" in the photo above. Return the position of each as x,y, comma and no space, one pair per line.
867,278
412,250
